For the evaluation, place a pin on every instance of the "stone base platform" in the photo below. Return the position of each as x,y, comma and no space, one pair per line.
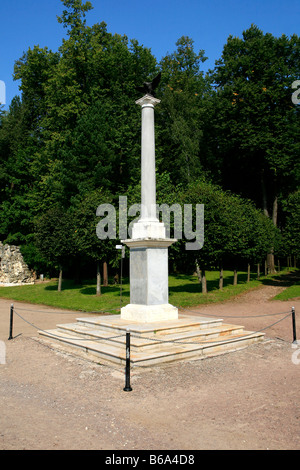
102,339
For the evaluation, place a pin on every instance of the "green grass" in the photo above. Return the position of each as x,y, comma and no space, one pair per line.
74,297
289,293
184,291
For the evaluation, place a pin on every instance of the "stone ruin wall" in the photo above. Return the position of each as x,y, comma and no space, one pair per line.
13,269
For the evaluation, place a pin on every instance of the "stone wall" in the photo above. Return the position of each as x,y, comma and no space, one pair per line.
13,269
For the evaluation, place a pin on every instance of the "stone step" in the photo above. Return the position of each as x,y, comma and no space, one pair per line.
166,352
143,342
93,350
148,347
116,324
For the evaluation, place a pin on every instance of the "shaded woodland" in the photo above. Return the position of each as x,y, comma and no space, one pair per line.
228,139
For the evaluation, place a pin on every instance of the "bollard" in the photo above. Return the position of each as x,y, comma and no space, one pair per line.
294,325
127,387
11,322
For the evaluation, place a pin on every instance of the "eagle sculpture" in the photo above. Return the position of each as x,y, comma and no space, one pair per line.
149,87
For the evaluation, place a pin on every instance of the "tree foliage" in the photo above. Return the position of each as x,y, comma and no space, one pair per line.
255,120
228,140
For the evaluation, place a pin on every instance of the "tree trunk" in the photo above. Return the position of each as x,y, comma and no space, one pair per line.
221,278
198,272
264,197
258,271
275,211
204,286
271,263
235,277
105,274
270,256
59,280
248,274
98,289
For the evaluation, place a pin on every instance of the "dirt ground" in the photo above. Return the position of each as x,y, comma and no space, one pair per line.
248,399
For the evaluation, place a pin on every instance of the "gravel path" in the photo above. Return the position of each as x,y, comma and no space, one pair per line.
248,399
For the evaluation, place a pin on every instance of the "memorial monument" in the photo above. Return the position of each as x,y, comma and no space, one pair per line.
158,334
149,290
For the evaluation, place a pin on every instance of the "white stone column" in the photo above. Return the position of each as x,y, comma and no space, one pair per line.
148,158
148,225
149,296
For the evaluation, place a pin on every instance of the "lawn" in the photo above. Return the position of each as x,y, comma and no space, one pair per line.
289,293
184,291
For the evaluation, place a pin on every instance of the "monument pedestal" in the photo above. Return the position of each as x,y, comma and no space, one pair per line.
149,313
158,334
149,293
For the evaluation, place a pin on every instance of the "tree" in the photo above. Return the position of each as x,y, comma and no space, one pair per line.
74,16
76,127
92,121
15,176
255,120
235,232
34,69
55,238
179,115
291,230
87,244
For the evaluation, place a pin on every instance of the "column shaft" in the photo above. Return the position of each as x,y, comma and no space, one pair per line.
148,209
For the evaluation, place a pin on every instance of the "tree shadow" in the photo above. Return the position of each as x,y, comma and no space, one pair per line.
90,290
193,286
86,288
282,280
67,284
53,288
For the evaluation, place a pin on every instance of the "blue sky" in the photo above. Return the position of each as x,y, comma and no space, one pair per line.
156,24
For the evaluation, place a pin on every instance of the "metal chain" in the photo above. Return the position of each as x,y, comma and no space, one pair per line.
178,341
67,337
232,316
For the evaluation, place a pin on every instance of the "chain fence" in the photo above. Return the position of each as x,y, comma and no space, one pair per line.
128,335
153,338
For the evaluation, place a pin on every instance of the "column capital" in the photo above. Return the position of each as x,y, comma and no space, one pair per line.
147,101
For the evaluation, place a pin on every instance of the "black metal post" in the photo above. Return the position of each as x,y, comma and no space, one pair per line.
121,283
127,387
11,322
294,325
